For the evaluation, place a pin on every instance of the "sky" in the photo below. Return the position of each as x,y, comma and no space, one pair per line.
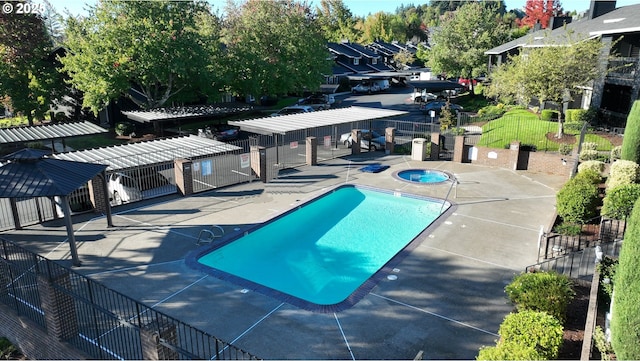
357,7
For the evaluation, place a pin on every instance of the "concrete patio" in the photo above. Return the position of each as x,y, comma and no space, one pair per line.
447,300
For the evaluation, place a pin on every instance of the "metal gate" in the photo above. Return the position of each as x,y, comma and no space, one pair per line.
136,184
224,169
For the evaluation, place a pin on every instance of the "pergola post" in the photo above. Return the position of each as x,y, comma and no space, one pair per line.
72,238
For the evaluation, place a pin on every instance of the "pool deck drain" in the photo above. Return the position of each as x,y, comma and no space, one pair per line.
448,299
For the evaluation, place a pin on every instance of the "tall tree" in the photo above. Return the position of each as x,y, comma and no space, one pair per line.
539,12
337,21
274,47
27,77
548,73
457,49
149,51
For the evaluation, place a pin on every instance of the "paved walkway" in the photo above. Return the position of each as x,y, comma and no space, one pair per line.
447,301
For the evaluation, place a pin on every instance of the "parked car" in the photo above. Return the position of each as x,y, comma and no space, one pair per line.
377,141
437,107
466,83
383,84
327,98
423,97
294,109
315,102
226,134
365,88
125,188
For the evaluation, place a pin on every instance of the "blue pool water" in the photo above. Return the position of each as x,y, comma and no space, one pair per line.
323,251
423,176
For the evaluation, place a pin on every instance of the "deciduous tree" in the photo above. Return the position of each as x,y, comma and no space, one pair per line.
457,49
548,73
274,47
337,21
148,51
27,76
539,12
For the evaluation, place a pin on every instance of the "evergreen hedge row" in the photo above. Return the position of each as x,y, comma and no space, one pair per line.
625,318
631,141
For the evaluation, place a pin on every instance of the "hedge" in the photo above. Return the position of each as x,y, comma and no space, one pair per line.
548,292
619,201
631,141
526,335
578,200
623,172
625,318
594,165
549,115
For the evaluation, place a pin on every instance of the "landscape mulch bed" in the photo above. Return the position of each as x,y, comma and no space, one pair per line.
574,324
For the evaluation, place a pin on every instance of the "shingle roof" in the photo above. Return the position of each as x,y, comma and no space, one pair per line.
625,19
48,132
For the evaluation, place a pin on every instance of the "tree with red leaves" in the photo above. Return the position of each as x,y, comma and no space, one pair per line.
540,11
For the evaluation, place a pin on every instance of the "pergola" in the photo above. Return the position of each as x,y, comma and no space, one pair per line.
28,173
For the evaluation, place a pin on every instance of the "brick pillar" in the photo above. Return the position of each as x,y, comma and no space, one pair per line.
390,140
96,194
14,213
151,336
515,154
435,146
460,152
5,280
59,309
259,161
183,169
312,150
356,136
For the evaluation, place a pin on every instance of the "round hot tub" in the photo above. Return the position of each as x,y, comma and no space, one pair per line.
426,176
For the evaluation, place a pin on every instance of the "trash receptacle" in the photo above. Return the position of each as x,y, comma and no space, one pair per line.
419,149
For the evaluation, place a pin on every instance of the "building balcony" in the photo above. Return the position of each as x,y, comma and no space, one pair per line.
622,68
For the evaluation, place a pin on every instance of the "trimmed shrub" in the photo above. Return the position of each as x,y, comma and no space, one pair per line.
589,154
534,330
508,351
625,317
548,292
623,172
618,202
568,229
549,115
589,146
594,165
565,149
578,200
631,141
615,153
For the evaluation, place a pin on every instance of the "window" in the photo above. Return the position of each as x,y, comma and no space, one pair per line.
356,61
374,61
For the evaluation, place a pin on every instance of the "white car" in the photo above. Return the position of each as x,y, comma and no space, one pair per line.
377,141
123,189
423,97
367,88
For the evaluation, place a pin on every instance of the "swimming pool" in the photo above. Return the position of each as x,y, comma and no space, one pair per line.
422,176
326,254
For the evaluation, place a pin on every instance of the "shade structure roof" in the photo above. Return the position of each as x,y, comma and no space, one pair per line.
26,175
288,123
155,151
48,131
185,112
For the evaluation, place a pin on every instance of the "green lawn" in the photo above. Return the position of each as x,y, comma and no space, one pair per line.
526,127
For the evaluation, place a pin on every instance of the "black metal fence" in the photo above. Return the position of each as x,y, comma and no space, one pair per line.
101,322
579,264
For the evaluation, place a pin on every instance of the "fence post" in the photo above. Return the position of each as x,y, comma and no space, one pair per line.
312,151
151,336
389,138
184,176
356,137
59,308
435,146
460,152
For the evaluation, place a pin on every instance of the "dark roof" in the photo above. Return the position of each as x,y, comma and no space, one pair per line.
623,20
339,70
343,50
29,175
360,68
361,49
380,66
48,132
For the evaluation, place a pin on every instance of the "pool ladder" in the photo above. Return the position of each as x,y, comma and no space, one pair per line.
207,236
